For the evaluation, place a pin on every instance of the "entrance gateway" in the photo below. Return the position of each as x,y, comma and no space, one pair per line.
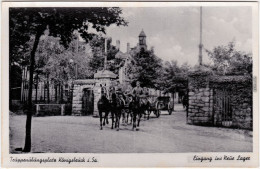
87,92
88,102
223,108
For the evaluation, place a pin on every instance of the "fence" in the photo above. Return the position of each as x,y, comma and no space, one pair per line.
222,107
44,95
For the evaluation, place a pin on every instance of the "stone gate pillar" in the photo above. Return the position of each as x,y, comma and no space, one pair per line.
97,95
200,105
103,77
76,100
78,87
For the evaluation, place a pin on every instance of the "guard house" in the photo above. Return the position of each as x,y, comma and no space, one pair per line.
87,92
83,97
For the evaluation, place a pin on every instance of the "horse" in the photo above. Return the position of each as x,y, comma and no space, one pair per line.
145,107
103,106
126,110
153,103
116,107
135,107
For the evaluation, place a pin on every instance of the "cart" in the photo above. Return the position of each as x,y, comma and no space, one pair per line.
153,106
165,103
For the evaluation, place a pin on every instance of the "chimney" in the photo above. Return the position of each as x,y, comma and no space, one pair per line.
128,48
118,44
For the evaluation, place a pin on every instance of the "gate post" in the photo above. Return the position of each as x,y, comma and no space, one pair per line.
97,95
200,99
62,109
78,87
37,109
104,77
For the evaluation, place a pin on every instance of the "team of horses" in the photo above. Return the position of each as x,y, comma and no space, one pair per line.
119,105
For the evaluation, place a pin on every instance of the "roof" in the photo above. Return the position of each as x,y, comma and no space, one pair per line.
85,81
142,33
105,74
122,55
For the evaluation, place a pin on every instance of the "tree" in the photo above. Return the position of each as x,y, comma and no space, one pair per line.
17,57
146,68
60,22
228,61
175,77
98,50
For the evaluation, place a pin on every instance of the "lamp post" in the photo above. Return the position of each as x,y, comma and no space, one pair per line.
71,61
105,63
200,45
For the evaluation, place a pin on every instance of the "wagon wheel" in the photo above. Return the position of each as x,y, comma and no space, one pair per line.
170,108
160,106
158,113
157,110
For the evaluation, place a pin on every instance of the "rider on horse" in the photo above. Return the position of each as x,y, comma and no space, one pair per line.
138,90
142,94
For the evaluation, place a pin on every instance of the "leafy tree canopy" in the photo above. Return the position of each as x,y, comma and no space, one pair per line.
174,76
60,22
146,68
228,61
98,50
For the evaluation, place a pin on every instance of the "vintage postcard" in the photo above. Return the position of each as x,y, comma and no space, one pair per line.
130,84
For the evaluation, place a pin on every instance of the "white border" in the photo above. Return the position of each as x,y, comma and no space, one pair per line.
125,160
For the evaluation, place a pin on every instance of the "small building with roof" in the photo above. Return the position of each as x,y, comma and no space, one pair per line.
87,92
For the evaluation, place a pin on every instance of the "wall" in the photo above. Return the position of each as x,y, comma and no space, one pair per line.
200,101
240,93
243,114
79,85
203,108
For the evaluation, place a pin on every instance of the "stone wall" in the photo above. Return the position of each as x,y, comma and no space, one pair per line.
240,92
79,86
200,102
200,106
93,84
203,108
242,111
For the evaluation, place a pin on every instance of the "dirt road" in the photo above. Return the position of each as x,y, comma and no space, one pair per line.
166,134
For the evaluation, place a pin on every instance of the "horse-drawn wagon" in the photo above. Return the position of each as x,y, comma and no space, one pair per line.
153,106
165,103
157,104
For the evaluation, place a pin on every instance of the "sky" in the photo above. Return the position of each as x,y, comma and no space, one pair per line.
174,31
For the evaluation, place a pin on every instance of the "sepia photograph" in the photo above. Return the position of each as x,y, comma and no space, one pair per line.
112,79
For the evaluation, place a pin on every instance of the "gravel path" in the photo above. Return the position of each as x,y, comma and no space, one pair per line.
166,134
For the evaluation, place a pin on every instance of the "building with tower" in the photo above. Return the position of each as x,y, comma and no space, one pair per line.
142,40
123,78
